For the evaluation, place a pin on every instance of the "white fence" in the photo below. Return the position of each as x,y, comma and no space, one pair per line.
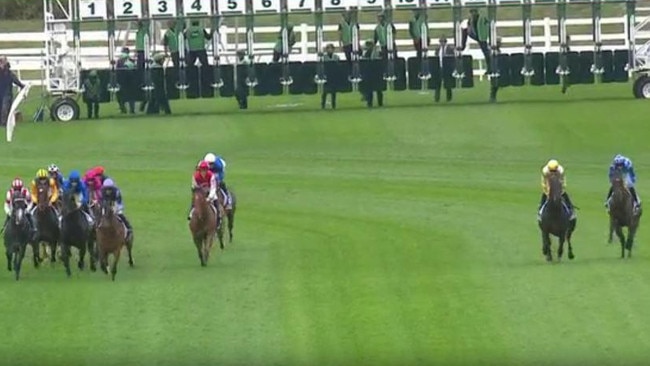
544,39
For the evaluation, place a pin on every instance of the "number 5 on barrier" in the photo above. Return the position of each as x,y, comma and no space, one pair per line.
162,8
92,9
231,6
127,9
197,7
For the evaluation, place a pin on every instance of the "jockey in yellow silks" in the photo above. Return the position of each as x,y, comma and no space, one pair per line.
553,166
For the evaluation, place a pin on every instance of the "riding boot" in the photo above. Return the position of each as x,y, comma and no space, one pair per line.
637,201
569,204
609,195
189,213
129,229
225,191
541,204
33,229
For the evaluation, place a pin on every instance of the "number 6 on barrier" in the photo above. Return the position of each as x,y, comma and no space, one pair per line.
127,9
197,7
92,9
162,8
266,6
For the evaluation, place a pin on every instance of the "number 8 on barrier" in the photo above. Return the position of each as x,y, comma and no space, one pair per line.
338,4
231,6
127,9
92,9
197,7
162,8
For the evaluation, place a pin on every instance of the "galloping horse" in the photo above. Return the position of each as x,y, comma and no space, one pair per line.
111,237
203,224
47,222
622,214
75,232
230,213
17,234
555,220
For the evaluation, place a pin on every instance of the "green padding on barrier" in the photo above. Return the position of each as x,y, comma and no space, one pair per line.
400,72
227,76
303,78
586,62
551,62
608,66
620,63
503,65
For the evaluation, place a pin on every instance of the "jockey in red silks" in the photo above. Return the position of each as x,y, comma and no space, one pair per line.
205,179
94,178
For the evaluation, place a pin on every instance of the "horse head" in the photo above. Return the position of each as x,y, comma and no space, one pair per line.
555,187
18,208
618,181
43,194
69,202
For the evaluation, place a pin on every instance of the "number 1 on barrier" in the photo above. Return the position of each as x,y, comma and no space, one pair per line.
92,9
197,7
127,8
231,6
162,8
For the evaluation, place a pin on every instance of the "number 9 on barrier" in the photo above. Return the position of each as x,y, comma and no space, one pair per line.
231,6
266,6
92,9
302,5
162,8
197,7
371,3
127,9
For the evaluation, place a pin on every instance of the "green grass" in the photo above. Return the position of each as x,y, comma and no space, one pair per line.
402,235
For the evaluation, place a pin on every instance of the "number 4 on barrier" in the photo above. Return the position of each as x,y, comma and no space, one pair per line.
127,9
92,9
231,6
162,8
197,7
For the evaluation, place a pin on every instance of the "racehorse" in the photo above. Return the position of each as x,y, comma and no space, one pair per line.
203,224
111,238
47,222
556,220
17,235
75,232
230,213
622,214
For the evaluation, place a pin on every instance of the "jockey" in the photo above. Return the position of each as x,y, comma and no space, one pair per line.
112,192
218,167
205,179
94,178
42,175
554,166
55,174
623,164
77,186
17,185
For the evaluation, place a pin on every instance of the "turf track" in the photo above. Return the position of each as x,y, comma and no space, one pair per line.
404,235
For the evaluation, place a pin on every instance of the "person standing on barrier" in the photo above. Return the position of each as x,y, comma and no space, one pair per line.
345,34
241,88
443,50
494,86
277,49
196,36
415,31
329,88
159,100
143,30
126,81
381,36
478,29
92,93
7,80
170,41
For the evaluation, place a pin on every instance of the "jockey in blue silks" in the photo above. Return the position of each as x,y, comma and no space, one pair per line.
79,189
623,164
110,191
218,167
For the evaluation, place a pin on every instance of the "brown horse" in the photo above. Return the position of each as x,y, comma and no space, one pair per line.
111,238
230,213
47,220
622,214
203,224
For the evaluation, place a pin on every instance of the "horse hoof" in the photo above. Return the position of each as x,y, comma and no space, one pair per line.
571,256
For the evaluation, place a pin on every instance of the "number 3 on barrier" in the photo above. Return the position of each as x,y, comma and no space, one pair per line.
162,8
231,6
196,7
127,9
92,9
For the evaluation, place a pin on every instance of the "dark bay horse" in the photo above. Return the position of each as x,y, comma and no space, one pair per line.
17,234
75,232
203,224
230,213
47,221
622,214
111,238
556,220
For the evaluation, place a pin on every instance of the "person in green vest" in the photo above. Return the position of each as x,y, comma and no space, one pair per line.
277,49
126,80
143,30
170,40
92,94
159,100
346,27
195,36
241,88
478,29
381,36
329,87
415,31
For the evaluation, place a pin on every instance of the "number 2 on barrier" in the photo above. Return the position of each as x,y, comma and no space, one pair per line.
92,9
266,6
162,8
196,7
302,5
127,8
231,6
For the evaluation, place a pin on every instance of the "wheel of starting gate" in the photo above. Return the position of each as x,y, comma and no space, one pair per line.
641,87
65,110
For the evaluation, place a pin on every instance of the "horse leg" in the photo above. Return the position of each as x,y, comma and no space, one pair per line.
546,246
18,260
9,255
231,223
36,258
621,237
65,258
560,248
52,247
129,250
199,249
220,233
103,261
611,230
116,258
631,233
82,257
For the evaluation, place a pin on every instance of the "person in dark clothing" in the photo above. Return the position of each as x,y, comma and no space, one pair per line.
241,89
494,84
278,48
346,28
196,36
159,100
92,94
7,80
443,50
372,79
415,31
126,80
478,29
140,44
170,41
329,88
